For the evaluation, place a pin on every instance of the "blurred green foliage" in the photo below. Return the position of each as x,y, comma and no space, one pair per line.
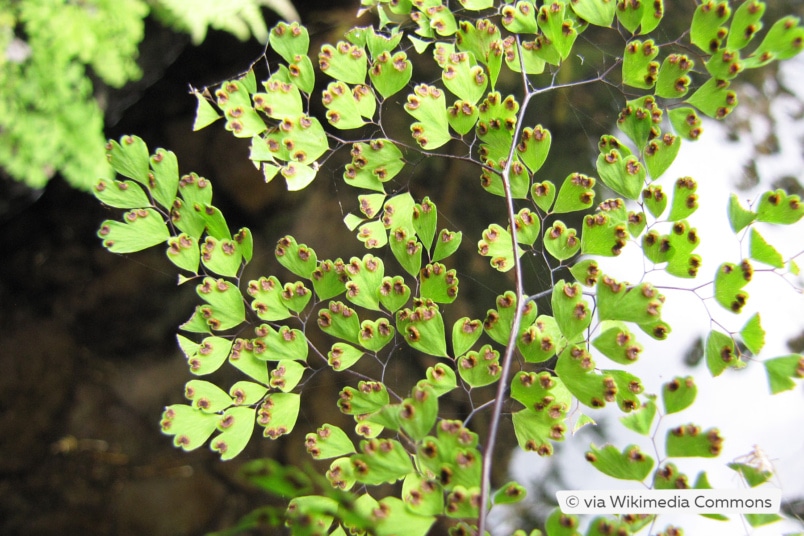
52,55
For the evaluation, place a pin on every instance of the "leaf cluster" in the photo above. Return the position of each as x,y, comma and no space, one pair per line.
569,355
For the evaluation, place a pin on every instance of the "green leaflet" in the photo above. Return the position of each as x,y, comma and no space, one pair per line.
576,369
558,26
629,464
623,174
340,321
279,344
721,353
519,18
280,100
236,426
641,420
690,441
603,234
686,123
497,244
729,282
707,31
510,493
390,74
373,164
779,207
745,24
576,194
451,455
418,413
121,194
617,343
369,397
641,304
678,394
438,283
541,340
669,477
422,496
480,368
782,41
447,244
298,258
394,293
760,250
184,253
289,40
328,279
424,220
206,396
381,461
428,106
343,109
423,328
498,322
685,200
278,414
546,402
639,70
465,332
714,98
661,153
441,378
534,147
781,372
560,524
129,158
245,393
586,272
190,427
463,502
673,81
375,334
365,280
572,313
206,357
342,356
464,78
225,308
329,441
205,113
245,357
594,12
753,334
344,62
286,375
739,217
543,194
140,229
219,256
640,17
561,242
640,119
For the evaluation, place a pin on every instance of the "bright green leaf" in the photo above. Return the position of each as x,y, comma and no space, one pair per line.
678,394
690,441
782,370
278,414
630,464
236,426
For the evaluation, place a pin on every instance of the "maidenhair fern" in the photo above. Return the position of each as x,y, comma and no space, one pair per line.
549,365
